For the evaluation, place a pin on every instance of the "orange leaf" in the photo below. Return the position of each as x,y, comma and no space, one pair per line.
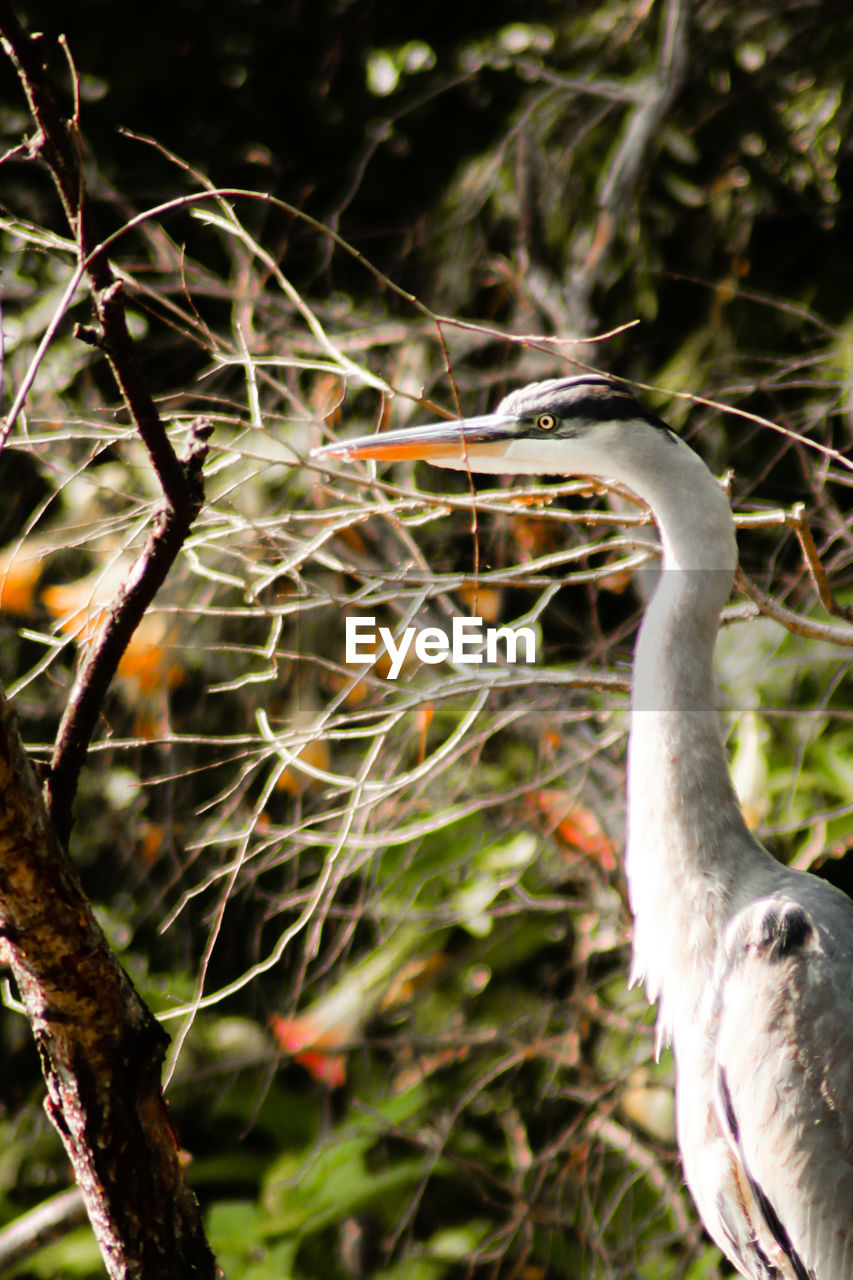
326,396
151,843
484,602
18,580
423,720
308,1044
575,826
533,535
329,1068
72,604
411,978
292,779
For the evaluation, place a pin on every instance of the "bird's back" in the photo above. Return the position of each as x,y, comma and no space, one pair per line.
766,1086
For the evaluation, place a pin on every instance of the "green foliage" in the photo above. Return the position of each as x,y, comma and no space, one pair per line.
417,878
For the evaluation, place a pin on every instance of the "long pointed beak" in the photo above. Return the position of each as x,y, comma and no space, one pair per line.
458,443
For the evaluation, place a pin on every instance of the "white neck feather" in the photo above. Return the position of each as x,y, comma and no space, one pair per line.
687,842
688,846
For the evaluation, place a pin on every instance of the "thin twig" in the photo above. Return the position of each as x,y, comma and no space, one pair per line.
97,669
793,622
798,521
56,145
47,1221
642,128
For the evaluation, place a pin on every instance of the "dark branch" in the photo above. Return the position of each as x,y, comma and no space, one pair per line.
100,1046
55,144
640,135
125,613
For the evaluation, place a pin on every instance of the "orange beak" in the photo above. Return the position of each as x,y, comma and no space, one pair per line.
459,443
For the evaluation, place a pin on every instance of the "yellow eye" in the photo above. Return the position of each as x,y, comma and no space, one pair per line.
546,421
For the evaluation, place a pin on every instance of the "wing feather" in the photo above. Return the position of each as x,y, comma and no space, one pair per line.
782,1035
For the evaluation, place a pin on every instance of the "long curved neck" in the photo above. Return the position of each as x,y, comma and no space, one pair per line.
687,841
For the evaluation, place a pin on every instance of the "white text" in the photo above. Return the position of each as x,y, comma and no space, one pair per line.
469,641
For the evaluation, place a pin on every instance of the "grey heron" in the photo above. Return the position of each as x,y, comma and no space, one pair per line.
750,962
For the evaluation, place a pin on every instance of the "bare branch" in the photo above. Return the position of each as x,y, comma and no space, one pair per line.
92,1031
181,480
642,127
798,521
98,668
40,1225
793,621
54,145
101,1048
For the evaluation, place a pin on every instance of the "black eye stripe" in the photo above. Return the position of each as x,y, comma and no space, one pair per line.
580,402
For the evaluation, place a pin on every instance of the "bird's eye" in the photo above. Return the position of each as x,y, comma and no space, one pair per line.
546,421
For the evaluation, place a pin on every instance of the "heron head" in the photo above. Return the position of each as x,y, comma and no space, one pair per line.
556,427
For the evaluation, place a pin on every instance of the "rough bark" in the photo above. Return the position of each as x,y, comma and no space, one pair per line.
101,1048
